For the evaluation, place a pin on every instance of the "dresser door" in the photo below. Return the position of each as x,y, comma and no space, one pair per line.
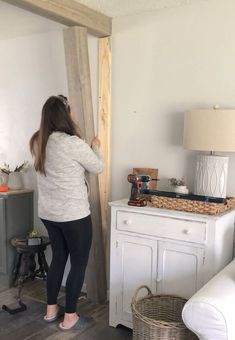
136,266
180,269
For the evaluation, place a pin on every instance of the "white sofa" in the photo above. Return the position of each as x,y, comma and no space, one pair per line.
210,312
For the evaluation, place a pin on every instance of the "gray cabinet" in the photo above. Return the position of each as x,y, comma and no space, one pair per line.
16,218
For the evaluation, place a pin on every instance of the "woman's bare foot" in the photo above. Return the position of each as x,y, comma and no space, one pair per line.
70,319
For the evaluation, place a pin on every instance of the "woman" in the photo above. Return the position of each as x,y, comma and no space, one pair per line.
61,159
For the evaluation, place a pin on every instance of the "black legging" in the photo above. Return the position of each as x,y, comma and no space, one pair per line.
68,238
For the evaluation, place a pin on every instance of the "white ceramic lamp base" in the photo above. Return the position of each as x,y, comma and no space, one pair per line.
211,176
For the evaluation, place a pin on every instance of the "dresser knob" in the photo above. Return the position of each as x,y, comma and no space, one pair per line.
127,222
187,232
159,279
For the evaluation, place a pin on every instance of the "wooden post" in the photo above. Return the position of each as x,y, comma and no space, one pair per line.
79,85
104,112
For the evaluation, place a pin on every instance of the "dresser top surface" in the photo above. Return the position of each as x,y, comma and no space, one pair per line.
15,192
167,212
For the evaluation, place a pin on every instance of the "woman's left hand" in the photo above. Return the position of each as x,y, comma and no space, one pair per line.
95,142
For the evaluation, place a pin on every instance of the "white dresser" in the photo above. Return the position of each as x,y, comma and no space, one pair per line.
172,252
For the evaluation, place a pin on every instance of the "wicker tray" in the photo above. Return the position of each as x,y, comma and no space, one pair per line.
192,206
158,317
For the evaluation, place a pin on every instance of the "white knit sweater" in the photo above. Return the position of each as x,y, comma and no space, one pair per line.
63,192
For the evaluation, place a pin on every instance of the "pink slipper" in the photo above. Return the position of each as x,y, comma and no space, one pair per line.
60,313
83,322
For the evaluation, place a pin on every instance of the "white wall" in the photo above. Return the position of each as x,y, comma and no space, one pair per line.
32,68
17,22
165,63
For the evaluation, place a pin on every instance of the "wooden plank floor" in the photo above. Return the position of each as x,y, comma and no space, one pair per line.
29,325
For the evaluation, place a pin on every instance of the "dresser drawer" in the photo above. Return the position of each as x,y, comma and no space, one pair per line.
160,226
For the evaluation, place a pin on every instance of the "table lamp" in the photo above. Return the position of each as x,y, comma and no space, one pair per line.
210,130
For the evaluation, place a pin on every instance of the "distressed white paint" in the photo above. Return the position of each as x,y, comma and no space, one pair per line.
176,252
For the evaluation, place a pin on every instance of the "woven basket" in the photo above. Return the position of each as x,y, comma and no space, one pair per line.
192,206
158,317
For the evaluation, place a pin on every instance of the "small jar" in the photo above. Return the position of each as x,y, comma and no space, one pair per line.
15,181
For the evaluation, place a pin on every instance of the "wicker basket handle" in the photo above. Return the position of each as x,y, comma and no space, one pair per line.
134,299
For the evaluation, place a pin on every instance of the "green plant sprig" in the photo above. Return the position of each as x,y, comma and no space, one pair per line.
176,182
6,168
21,167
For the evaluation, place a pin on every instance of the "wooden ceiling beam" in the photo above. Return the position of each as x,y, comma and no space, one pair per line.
69,13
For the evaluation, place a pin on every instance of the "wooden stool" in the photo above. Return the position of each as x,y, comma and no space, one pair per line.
25,268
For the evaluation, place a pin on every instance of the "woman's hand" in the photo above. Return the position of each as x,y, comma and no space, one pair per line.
95,142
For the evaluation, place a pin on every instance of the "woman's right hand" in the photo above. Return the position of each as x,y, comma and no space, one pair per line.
95,142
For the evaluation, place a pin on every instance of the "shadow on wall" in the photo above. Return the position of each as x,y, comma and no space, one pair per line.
30,182
29,178
176,128
176,133
190,170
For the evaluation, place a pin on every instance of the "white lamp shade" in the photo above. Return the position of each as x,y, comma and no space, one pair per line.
210,130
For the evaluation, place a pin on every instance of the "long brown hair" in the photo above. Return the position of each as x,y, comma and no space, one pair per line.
55,117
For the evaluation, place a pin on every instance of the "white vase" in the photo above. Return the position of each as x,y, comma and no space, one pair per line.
15,181
211,176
